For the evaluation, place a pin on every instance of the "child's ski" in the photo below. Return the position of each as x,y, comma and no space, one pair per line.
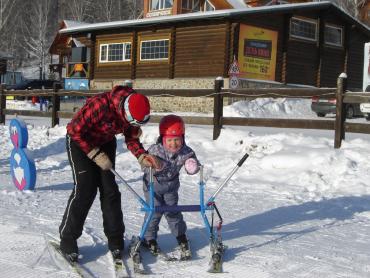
161,255
134,252
137,264
217,251
165,257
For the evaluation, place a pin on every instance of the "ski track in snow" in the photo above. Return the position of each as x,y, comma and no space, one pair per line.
296,208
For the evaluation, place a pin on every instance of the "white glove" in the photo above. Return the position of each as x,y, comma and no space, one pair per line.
100,158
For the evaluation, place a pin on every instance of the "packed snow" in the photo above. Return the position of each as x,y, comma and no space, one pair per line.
296,208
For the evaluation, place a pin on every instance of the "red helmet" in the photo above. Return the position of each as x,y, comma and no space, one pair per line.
136,109
171,125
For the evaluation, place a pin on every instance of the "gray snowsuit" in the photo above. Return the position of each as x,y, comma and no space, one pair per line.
166,186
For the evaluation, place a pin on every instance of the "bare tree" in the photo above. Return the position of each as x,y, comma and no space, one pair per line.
351,6
6,12
36,32
80,10
107,9
130,9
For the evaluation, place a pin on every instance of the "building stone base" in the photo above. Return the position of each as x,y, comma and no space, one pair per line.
181,104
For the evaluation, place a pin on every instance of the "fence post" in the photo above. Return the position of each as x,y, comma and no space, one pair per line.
340,116
2,104
56,105
217,107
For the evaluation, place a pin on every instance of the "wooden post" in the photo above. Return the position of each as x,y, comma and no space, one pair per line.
2,104
134,55
56,106
340,116
217,107
171,66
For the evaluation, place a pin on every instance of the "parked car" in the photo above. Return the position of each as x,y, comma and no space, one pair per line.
328,106
365,107
32,84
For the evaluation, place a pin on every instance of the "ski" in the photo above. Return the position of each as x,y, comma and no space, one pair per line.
137,264
134,252
120,268
217,250
161,255
57,255
165,257
185,252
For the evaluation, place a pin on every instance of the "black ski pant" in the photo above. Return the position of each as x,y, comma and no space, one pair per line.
88,178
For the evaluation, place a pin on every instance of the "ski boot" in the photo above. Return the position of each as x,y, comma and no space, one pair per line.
116,254
185,253
152,246
69,250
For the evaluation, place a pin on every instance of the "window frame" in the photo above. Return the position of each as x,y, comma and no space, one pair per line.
341,35
155,59
306,20
190,5
161,5
107,44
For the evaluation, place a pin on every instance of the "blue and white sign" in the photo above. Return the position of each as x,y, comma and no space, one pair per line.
22,166
76,84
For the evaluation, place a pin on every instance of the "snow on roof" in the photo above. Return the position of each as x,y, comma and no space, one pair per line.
73,23
202,15
237,4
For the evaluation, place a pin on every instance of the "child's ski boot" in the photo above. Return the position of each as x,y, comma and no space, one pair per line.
185,252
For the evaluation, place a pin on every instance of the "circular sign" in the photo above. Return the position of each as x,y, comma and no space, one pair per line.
234,82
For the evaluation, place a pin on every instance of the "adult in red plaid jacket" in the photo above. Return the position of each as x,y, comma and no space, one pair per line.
91,147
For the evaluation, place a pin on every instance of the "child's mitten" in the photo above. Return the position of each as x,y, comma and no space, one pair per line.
191,166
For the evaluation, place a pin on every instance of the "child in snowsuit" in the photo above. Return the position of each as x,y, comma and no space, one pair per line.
172,153
91,148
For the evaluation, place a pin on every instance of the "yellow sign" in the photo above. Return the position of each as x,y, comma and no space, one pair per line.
257,52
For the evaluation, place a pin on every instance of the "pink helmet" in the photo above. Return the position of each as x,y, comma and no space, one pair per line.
171,125
136,109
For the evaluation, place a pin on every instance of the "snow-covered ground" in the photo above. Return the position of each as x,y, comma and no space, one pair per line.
296,208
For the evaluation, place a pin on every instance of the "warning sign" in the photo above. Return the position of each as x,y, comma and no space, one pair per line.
234,68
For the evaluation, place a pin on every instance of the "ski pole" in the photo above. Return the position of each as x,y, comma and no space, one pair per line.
236,168
130,188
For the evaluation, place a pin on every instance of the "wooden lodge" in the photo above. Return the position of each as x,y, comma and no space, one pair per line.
303,43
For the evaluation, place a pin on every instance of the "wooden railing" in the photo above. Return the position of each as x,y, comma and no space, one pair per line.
218,93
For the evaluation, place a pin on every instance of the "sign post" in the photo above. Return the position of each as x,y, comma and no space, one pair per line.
234,72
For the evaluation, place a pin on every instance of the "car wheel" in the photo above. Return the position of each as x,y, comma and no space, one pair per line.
368,117
320,115
350,112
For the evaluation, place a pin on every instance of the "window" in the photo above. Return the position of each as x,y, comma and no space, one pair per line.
333,35
192,5
208,6
154,50
115,52
303,29
160,4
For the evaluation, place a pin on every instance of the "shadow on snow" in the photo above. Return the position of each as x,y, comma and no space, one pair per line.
283,223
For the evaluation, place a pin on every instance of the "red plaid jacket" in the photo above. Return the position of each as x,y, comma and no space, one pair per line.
99,120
